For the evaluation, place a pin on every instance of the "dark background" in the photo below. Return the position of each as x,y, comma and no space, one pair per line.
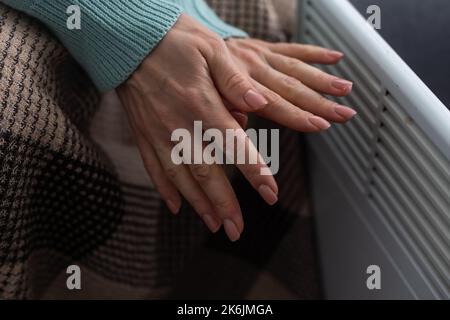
419,30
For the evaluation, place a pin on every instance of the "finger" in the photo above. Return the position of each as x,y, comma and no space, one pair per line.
307,53
212,180
233,84
217,188
220,118
215,184
239,150
180,175
286,114
189,188
310,76
303,97
154,168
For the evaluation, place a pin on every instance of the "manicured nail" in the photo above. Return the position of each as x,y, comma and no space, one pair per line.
345,112
231,230
255,100
211,223
342,84
335,54
320,123
172,206
267,194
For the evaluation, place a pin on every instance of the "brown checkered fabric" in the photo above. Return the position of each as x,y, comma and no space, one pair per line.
62,201
67,196
257,17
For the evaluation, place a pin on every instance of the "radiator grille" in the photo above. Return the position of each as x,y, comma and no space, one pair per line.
392,161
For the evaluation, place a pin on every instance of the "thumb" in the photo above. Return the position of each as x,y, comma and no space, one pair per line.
234,85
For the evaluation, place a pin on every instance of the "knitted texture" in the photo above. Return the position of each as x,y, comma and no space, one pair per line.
61,199
206,16
116,35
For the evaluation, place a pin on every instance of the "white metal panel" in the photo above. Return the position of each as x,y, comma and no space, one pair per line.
394,157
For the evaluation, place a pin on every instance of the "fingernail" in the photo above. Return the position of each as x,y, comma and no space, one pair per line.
342,84
335,54
172,206
231,230
255,99
345,112
320,123
211,223
267,194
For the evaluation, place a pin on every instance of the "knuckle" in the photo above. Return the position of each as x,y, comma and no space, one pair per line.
217,44
293,87
292,63
290,82
213,46
201,34
223,204
246,56
261,69
301,91
235,81
171,172
201,172
249,56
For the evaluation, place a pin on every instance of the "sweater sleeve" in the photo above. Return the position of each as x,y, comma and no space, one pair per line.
199,10
116,35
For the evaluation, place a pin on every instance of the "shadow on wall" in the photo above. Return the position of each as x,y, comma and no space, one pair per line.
420,32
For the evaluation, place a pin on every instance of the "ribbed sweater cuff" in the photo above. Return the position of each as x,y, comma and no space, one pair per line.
115,35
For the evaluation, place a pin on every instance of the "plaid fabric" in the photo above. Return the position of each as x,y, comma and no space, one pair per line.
73,189
257,17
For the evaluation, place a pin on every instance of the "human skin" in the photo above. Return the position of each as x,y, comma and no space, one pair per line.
195,75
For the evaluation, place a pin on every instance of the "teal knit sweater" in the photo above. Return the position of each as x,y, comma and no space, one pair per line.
116,35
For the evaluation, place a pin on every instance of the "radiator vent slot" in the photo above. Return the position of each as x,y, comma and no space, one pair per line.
391,160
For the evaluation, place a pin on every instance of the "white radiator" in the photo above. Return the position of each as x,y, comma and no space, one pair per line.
381,183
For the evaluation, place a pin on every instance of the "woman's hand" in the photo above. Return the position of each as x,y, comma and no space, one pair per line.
175,85
293,88
194,75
